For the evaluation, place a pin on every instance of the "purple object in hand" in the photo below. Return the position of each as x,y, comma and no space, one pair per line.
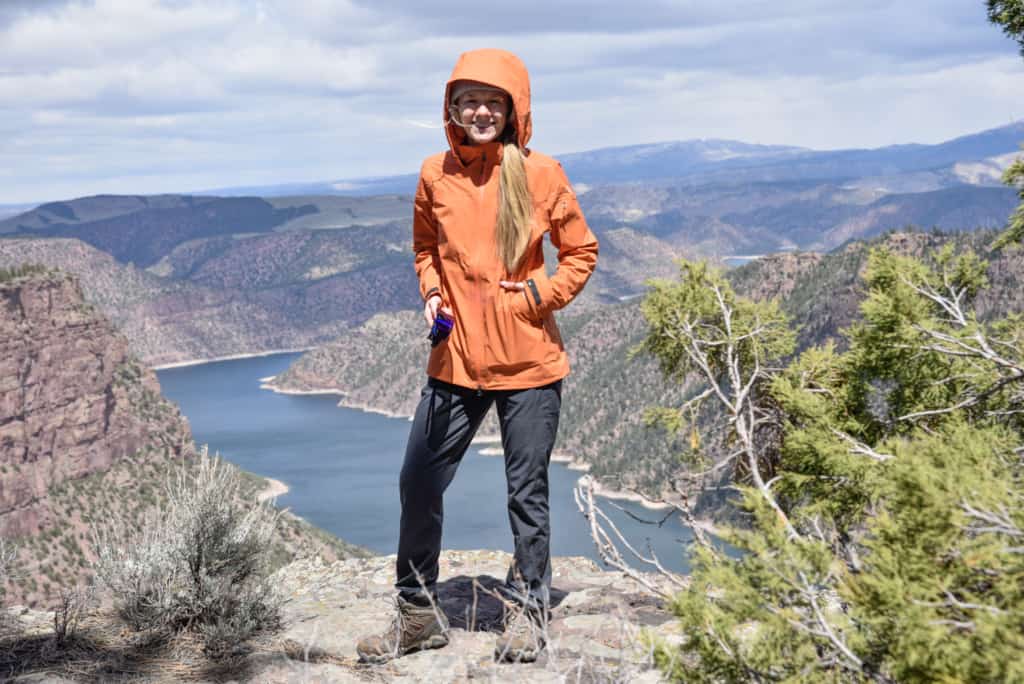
440,330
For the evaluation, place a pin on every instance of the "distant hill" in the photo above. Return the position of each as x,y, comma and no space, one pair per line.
257,297
142,229
404,184
757,218
705,197
710,160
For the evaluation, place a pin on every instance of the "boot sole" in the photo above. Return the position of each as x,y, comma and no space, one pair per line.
435,641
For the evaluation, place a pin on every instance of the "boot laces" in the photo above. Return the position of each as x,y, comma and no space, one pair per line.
397,626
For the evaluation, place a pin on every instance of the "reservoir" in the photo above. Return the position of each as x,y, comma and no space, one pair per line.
341,466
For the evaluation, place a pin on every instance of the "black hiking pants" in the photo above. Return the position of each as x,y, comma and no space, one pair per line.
446,420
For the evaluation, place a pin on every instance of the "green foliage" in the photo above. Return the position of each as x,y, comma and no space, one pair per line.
942,595
1010,15
887,538
703,301
1014,176
24,270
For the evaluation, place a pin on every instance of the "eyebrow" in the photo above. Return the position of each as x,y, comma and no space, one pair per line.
483,95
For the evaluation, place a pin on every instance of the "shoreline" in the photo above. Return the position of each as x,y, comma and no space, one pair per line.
478,440
229,357
274,489
619,495
557,457
267,384
705,524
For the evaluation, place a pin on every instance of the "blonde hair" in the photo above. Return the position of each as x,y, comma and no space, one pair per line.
515,205
515,208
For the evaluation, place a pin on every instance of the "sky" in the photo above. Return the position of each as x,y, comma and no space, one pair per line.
150,96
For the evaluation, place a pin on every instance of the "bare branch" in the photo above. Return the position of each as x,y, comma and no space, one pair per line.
608,547
812,596
857,447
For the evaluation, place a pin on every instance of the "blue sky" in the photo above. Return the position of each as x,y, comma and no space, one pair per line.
147,96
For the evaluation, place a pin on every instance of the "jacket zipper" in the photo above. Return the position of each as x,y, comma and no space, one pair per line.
479,288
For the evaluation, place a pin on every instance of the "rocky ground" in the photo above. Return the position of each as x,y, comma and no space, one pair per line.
597,632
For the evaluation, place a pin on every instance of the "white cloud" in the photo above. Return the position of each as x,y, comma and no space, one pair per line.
151,95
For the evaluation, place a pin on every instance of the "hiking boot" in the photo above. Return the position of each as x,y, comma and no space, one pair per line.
413,629
523,638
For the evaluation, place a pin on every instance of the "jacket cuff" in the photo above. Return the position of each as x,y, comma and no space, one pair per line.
539,294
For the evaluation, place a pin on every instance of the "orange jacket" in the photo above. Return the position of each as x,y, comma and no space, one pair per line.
501,339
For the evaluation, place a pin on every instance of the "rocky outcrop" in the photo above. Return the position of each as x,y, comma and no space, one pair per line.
594,633
775,276
601,630
72,398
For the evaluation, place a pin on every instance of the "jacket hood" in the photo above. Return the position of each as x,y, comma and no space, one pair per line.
498,68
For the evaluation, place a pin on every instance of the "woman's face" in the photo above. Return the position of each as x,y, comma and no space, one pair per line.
483,114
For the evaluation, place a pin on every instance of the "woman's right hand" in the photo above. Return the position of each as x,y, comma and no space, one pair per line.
431,308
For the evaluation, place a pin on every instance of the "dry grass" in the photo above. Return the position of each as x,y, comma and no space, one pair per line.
101,650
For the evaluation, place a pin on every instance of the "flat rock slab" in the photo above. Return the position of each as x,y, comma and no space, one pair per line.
594,633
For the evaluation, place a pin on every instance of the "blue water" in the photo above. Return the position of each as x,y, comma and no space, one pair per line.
342,466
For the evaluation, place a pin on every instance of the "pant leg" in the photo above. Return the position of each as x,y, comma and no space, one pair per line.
529,424
446,419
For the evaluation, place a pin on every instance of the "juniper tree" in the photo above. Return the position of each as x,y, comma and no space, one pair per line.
887,533
1009,14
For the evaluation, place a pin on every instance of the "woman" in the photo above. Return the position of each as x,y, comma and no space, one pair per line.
481,211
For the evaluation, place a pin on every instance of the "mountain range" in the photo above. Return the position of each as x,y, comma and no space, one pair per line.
977,157
698,197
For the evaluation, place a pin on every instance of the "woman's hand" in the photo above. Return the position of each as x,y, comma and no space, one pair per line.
518,287
431,308
515,286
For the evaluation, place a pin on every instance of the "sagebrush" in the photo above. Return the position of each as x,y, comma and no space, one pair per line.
199,562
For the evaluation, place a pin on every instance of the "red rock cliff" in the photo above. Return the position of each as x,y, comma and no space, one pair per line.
73,403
